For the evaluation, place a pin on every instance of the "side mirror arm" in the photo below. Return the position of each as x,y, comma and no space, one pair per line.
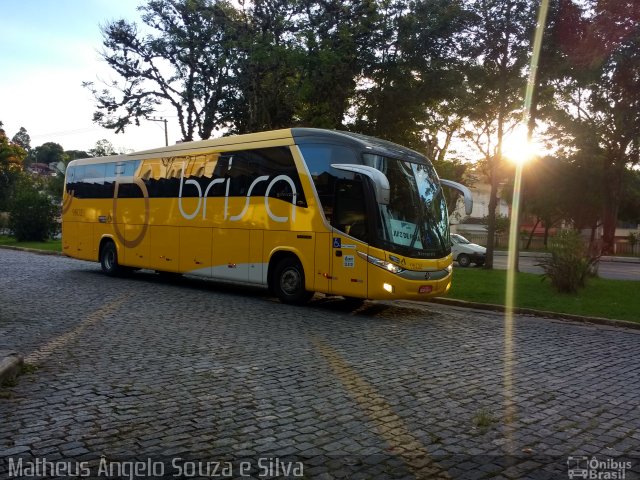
379,179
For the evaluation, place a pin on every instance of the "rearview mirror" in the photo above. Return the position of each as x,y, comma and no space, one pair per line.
468,198
379,179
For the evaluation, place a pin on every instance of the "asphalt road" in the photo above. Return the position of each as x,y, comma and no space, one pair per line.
191,373
606,269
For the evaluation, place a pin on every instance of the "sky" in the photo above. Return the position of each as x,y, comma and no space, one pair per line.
47,49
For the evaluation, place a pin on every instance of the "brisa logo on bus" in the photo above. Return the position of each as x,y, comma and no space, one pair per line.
235,218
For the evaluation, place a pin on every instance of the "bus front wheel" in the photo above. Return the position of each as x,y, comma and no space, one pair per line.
109,259
288,282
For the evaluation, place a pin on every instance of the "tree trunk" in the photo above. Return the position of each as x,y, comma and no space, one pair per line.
531,233
613,179
546,236
592,239
491,222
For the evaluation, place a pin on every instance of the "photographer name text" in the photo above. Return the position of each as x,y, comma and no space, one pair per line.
177,467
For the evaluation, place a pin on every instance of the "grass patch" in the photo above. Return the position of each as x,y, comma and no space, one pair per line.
28,369
52,245
5,395
616,299
483,419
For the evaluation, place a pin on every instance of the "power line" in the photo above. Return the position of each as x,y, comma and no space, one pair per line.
166,134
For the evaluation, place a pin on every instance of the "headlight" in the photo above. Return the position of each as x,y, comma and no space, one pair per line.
393,268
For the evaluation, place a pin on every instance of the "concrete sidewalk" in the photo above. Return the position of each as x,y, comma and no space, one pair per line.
606,258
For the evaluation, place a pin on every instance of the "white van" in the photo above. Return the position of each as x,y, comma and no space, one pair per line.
465,253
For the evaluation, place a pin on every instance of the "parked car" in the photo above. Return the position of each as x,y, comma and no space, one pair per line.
465,253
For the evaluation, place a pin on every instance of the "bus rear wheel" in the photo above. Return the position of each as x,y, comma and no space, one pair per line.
288,282
109,259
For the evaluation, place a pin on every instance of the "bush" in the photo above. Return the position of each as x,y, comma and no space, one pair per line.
570,262
31,214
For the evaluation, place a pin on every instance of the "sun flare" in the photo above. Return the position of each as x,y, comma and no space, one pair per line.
517,148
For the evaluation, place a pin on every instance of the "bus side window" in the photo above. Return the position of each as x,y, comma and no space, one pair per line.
349,213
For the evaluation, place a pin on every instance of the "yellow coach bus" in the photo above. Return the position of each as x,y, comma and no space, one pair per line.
299,211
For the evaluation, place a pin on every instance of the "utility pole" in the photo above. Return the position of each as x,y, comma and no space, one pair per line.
166,135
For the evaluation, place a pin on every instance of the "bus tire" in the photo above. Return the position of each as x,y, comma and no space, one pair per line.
109,259
288,282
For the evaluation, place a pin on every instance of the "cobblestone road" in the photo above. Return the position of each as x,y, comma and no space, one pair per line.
141,368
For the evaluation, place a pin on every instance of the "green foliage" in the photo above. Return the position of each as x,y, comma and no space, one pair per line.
49,152
600,298
419,73
570,262
22,139
501,225
103,148
32,215
54,186
193,43
630,201
11,158
265,65
597,94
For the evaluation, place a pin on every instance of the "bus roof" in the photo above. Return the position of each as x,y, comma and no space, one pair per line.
356,140
294,135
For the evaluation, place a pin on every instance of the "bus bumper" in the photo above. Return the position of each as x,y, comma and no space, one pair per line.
394,287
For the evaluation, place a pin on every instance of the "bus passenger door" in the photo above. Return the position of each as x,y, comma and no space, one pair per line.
348,269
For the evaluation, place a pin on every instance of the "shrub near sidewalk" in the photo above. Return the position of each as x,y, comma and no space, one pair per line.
31,214
569,263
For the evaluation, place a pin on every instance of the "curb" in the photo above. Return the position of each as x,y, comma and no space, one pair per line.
32,250
538,313
604,258
10,364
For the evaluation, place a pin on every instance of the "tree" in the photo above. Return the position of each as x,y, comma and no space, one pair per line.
49,152
414,60
543,192
496,81
103,148
630,201
597,101
75,154
337,39
22,139
54,185
184,63
31,213
11,166
266,70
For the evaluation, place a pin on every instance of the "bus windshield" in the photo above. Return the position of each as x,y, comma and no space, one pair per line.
415,222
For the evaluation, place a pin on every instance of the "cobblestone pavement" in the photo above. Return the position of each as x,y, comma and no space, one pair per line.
152,370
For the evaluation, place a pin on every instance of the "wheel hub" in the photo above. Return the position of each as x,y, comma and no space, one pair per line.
290,281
